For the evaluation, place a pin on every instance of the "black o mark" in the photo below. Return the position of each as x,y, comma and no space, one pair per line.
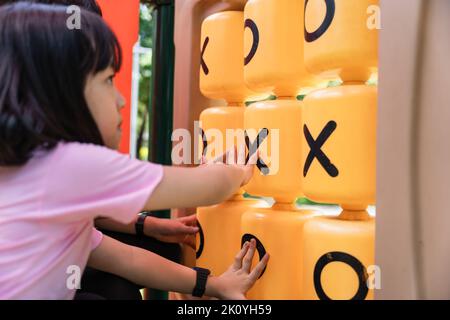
202,60
316,151
348,259
253,148
331,10
249,23
259,247
201,242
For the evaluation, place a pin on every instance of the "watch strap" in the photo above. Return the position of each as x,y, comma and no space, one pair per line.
139,226
200,285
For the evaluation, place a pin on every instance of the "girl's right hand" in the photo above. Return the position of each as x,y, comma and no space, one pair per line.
239,278
236,158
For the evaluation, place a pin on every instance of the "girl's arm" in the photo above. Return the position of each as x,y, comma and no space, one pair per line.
178,230
198,187
153,226
148,269
187,188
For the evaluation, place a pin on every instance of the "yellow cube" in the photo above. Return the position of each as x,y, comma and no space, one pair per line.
274,128
278,232
338,255
222,64
341,38
219,239
222,130
274,47
339,146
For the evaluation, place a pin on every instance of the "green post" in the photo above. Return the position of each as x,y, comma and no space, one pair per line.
161,105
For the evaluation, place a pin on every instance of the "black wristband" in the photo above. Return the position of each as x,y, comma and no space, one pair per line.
200,285
139,226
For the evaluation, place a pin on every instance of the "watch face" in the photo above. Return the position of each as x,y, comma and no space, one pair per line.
139,225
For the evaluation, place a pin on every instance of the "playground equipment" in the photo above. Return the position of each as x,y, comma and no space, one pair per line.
323,147
274,60
222,128
339,150
412,177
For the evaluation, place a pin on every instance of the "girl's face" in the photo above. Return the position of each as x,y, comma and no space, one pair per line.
104,102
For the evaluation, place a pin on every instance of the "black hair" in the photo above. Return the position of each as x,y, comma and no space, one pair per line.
44,66
90,5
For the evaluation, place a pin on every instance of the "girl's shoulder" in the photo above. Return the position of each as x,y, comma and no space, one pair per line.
74,158
77,146
76,151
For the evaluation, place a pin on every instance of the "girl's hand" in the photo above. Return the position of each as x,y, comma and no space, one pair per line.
181,230
239,278
237,159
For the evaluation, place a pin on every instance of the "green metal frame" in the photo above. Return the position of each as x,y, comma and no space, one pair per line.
161,95
161,108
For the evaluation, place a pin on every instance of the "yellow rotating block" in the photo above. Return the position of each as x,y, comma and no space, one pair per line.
341,38
274,129
219,239
222,129
274,47
278,231
222,65
339,146
339,255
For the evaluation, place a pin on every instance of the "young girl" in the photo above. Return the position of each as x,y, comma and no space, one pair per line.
160,236
59,121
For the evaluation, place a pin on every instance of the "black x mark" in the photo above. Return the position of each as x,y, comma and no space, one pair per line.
316,151
202,61
253,148
205,141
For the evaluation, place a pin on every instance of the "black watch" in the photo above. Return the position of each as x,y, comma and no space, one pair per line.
139,226
200,285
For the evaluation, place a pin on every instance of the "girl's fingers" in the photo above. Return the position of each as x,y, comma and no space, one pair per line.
189,230
254,158
256,272
190,241
238,259
241,155
231,156
247,262
222,158
203,160
189,219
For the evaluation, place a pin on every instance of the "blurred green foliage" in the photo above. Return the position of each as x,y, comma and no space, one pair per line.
146,28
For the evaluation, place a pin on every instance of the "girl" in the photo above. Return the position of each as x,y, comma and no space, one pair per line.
59,120
160,236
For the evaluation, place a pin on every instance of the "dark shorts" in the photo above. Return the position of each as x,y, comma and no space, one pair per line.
99,285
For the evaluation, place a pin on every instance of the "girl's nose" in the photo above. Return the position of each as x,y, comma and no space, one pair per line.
120,100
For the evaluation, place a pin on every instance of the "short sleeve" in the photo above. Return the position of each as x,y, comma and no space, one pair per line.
89,181
96,238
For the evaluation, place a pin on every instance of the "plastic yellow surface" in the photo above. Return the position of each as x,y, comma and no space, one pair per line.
222,64
340,39
220,239
339,146
280,151
273,47
279,230
337,253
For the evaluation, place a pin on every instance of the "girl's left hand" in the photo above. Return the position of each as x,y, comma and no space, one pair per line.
181,230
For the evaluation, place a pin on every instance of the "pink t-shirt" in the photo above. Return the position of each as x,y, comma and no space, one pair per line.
47,208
